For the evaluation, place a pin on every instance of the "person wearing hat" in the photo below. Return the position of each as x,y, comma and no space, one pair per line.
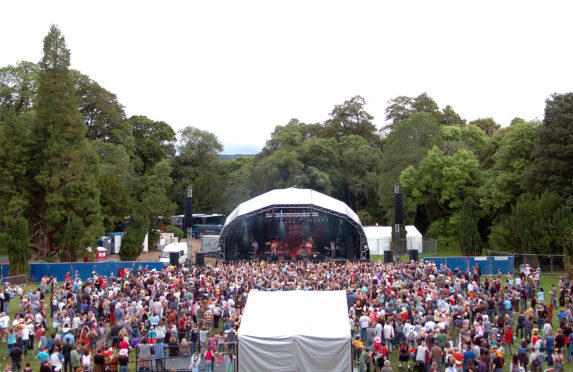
498,361
387,367
123,360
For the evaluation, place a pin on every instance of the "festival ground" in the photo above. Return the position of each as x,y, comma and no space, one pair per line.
546,282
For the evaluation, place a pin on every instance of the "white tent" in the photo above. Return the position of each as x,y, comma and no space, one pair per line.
413,238
379,238
295,331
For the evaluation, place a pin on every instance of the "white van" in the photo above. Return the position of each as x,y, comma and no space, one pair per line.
180,248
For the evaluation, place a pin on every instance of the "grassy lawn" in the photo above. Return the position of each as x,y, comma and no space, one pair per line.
34,363
546,282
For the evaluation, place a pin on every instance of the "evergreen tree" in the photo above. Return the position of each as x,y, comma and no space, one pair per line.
553,154
17,241
470,239
73,241
67,166
133,237
14,164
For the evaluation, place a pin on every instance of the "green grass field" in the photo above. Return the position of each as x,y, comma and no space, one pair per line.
546,282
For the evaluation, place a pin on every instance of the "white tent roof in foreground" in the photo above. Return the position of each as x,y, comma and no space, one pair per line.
280,333
292,196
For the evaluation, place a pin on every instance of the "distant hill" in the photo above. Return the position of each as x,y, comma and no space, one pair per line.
234,156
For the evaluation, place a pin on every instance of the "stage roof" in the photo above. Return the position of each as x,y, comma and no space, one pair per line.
292,197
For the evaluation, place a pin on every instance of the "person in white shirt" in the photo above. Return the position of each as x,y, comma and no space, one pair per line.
25,339
364,322
389,335
4,321
56,359
378,330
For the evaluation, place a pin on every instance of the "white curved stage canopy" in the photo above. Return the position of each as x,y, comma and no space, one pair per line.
314,216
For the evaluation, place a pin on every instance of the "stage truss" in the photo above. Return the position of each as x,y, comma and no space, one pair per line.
361,235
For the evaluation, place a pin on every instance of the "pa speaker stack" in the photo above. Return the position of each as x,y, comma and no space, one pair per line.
174,258
200,259
413,253
388,256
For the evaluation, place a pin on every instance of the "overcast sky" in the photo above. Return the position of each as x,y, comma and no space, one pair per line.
239,68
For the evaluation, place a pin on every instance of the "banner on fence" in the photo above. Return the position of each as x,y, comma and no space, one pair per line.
490,265
85,269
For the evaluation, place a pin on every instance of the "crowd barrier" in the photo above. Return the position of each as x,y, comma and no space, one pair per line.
83,269
490,265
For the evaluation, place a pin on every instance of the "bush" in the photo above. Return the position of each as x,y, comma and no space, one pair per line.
133,238
175,230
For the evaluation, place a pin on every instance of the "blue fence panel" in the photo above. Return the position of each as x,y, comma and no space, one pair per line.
484,263
436,260
457,262
107,268
84,269
36,272
503,263
4,270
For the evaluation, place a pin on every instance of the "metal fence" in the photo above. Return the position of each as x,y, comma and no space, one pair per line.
549,263
14,279
429,247
178,356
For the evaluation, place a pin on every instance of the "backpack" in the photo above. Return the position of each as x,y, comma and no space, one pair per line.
536,362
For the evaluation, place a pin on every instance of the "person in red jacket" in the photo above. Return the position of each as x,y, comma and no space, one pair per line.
508,340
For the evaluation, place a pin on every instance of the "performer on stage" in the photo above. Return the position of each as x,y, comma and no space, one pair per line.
274,247
255,246
332,248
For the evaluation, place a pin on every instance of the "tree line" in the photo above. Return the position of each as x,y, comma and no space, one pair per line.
73,165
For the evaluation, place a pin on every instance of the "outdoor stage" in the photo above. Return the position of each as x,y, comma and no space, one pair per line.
292,224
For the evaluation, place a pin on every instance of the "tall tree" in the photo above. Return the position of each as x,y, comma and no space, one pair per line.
195,163
350,118
506,176
530,227
73,242
155,201
553,154
67,167
470,239
154,141
406,145
488,125
132,241
17,242
398,109
101,111
450,117
18,87
402,108
563,221
15,155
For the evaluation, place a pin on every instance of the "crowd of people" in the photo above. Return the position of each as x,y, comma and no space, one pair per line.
435,318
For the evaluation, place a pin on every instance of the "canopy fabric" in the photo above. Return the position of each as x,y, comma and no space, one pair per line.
378,238
295,331
413,238
292,196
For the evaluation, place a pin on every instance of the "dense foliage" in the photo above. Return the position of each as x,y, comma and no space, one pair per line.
73,166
